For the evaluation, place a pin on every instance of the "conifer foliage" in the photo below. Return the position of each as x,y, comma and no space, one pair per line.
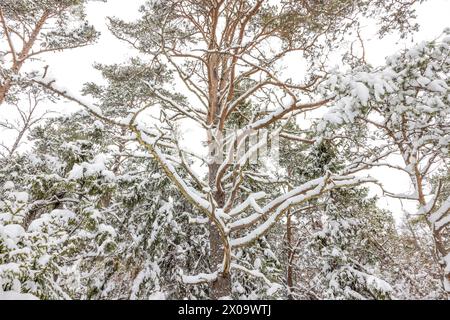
113,201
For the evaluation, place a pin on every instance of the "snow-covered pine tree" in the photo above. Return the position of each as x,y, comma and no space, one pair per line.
29,28
209,60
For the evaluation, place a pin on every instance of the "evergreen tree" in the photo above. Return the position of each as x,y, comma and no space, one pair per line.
30,28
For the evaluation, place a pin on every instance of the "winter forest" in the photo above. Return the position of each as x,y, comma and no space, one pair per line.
224,149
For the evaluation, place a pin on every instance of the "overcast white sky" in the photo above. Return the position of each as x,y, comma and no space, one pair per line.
73,68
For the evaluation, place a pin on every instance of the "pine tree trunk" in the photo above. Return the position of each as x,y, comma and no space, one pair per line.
290,255
222,286
3,90
439,246
441,253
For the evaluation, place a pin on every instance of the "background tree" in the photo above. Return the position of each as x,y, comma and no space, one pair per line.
29,28
331,244
49,201
406,102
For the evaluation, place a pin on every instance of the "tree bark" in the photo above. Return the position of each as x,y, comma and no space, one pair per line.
3,89
289,275
440,250
442,253
222,286
23,55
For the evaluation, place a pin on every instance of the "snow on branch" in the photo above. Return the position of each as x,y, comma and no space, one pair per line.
194,196
199,278
297,196
273,287
249,202
438,217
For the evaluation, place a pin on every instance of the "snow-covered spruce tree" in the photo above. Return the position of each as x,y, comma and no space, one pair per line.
330,244
108,236
351,264
160,236
406,104
49,216
415,260
210,49
29,28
